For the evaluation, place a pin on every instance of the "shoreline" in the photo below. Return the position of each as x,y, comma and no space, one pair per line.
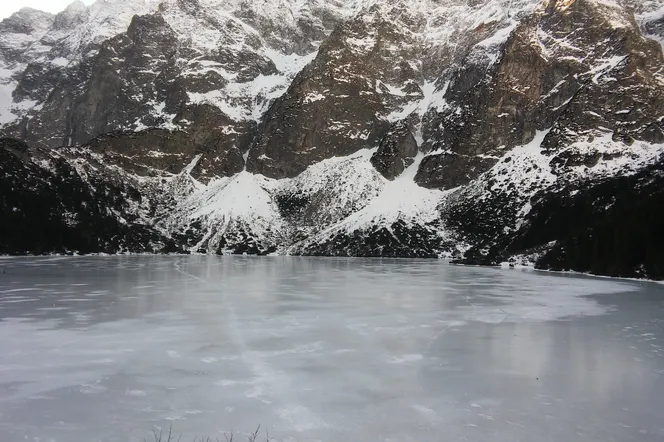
449,261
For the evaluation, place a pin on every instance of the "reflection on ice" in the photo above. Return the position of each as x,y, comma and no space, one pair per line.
324,349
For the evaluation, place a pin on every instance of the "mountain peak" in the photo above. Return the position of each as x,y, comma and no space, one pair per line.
73,16
26,20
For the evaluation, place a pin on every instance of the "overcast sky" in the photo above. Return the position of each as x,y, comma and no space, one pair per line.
8,7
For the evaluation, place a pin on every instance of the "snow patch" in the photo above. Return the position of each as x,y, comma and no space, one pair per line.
401,199
525,166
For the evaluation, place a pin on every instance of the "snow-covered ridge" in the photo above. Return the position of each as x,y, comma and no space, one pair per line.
343,194
648,14
272,29
19,34
285,33
335,188
346,194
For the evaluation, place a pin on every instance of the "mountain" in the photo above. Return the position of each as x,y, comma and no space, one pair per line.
486,131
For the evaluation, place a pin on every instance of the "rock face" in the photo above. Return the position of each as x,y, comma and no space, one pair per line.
206,69
608,228
332,107
48,206
155,151
576,68
396,152
375,69
397,240
487,131
109,101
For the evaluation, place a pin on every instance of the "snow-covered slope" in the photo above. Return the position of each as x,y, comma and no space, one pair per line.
232,55
19,43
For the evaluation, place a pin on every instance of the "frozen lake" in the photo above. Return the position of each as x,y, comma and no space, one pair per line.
108,348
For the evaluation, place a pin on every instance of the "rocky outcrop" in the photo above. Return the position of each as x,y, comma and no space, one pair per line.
365,74
396,151
385,65
604,76
122,85
48,207
397,240
191,68
609,228
153,152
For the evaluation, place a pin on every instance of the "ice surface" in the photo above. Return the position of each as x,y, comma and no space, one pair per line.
106,348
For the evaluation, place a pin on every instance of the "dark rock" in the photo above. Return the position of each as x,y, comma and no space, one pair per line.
55,210
153,151
398,240
396,152
538,83
611,228
334,106
608,228
240,240
115,90
291,205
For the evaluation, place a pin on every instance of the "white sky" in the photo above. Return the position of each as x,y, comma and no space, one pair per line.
8,7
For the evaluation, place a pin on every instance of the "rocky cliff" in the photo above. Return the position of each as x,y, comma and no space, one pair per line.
487,131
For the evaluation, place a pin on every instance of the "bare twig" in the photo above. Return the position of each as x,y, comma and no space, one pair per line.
254,437
228,437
